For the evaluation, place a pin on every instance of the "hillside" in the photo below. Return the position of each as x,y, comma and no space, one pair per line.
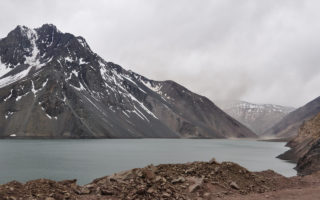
288,127
305,147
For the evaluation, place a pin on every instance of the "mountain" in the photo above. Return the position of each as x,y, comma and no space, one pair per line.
53,85
305,147
257,117
288,127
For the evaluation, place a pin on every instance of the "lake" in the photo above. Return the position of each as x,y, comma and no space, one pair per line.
87,159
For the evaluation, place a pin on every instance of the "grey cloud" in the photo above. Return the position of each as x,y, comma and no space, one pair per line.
259,51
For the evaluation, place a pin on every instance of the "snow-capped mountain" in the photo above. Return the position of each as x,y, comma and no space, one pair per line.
258,117
53,85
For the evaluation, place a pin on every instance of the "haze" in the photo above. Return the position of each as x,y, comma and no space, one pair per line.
258,51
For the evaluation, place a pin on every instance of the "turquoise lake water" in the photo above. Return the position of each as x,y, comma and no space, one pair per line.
85,160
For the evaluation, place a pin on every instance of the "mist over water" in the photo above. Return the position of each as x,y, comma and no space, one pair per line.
85,160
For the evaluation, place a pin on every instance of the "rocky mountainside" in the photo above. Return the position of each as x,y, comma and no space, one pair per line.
257,117
53,85
289,126
305,147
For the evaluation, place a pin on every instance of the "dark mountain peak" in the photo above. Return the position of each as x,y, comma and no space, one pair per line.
49,27
28,33
25,47
18,31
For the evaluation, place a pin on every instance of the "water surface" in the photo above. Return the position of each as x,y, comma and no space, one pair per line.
86,160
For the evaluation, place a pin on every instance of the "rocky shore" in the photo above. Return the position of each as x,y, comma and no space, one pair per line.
196,180
305,147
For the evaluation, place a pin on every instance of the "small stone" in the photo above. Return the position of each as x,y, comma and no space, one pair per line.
234,185
158,178
207,194
67,195
82,190
90,186
141,190
166,195
212,161
106,192
195,186
150,190
178,180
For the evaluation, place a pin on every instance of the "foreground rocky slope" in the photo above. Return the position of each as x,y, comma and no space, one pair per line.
197,180
53,85
257,117
305,147
289,126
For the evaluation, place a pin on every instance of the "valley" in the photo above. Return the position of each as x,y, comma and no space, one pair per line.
54,89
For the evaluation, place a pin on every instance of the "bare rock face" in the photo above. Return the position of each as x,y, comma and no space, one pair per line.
289,126
310,162
305,147
257,117
53,85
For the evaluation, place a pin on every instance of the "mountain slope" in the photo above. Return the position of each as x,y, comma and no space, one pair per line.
288,127
53,85
305,147
257,117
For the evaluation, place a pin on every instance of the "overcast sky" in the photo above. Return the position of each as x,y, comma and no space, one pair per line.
258,51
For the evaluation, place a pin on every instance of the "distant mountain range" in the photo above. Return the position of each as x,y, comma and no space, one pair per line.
289,126
257,117
53,85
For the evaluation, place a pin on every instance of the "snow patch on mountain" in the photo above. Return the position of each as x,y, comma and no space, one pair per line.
33,59
11,79
4,69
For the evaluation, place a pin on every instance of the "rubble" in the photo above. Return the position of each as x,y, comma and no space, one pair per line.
196,180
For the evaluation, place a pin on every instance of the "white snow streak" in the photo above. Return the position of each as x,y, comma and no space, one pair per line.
11,79
68,59
81,62
20,97
142,106
8,114
4,69
33,37
8,97
48,116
